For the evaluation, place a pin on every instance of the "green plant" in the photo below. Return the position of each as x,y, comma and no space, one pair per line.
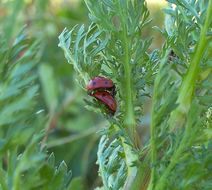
24,162
178,154
39,102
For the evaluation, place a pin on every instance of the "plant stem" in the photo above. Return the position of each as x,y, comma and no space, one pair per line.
129,121
132,170
186,91
185,142
70,139
153,149
153,124
129,117
142,178
174,160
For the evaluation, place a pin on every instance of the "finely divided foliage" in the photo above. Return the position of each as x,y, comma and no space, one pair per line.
24,164
178,155
179,140
111,163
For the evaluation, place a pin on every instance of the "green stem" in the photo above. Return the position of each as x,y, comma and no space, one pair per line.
129,117
153,126
71,139
175,158
186,91
131,159
129,121
143,175
153,149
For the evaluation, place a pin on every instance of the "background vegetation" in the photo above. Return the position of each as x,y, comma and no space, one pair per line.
49,140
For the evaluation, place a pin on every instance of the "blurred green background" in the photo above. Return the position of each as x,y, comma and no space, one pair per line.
71,128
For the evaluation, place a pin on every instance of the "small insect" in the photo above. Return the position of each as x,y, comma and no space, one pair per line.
107,99
100,83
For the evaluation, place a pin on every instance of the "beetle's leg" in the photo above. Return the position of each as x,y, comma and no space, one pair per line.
113,90
90,93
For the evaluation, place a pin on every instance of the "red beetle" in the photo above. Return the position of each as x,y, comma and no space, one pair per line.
107,99
100,83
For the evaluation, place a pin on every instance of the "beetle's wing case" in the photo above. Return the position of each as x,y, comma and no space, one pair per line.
99,82
106,98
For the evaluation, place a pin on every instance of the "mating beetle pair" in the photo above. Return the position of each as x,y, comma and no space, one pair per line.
103,89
